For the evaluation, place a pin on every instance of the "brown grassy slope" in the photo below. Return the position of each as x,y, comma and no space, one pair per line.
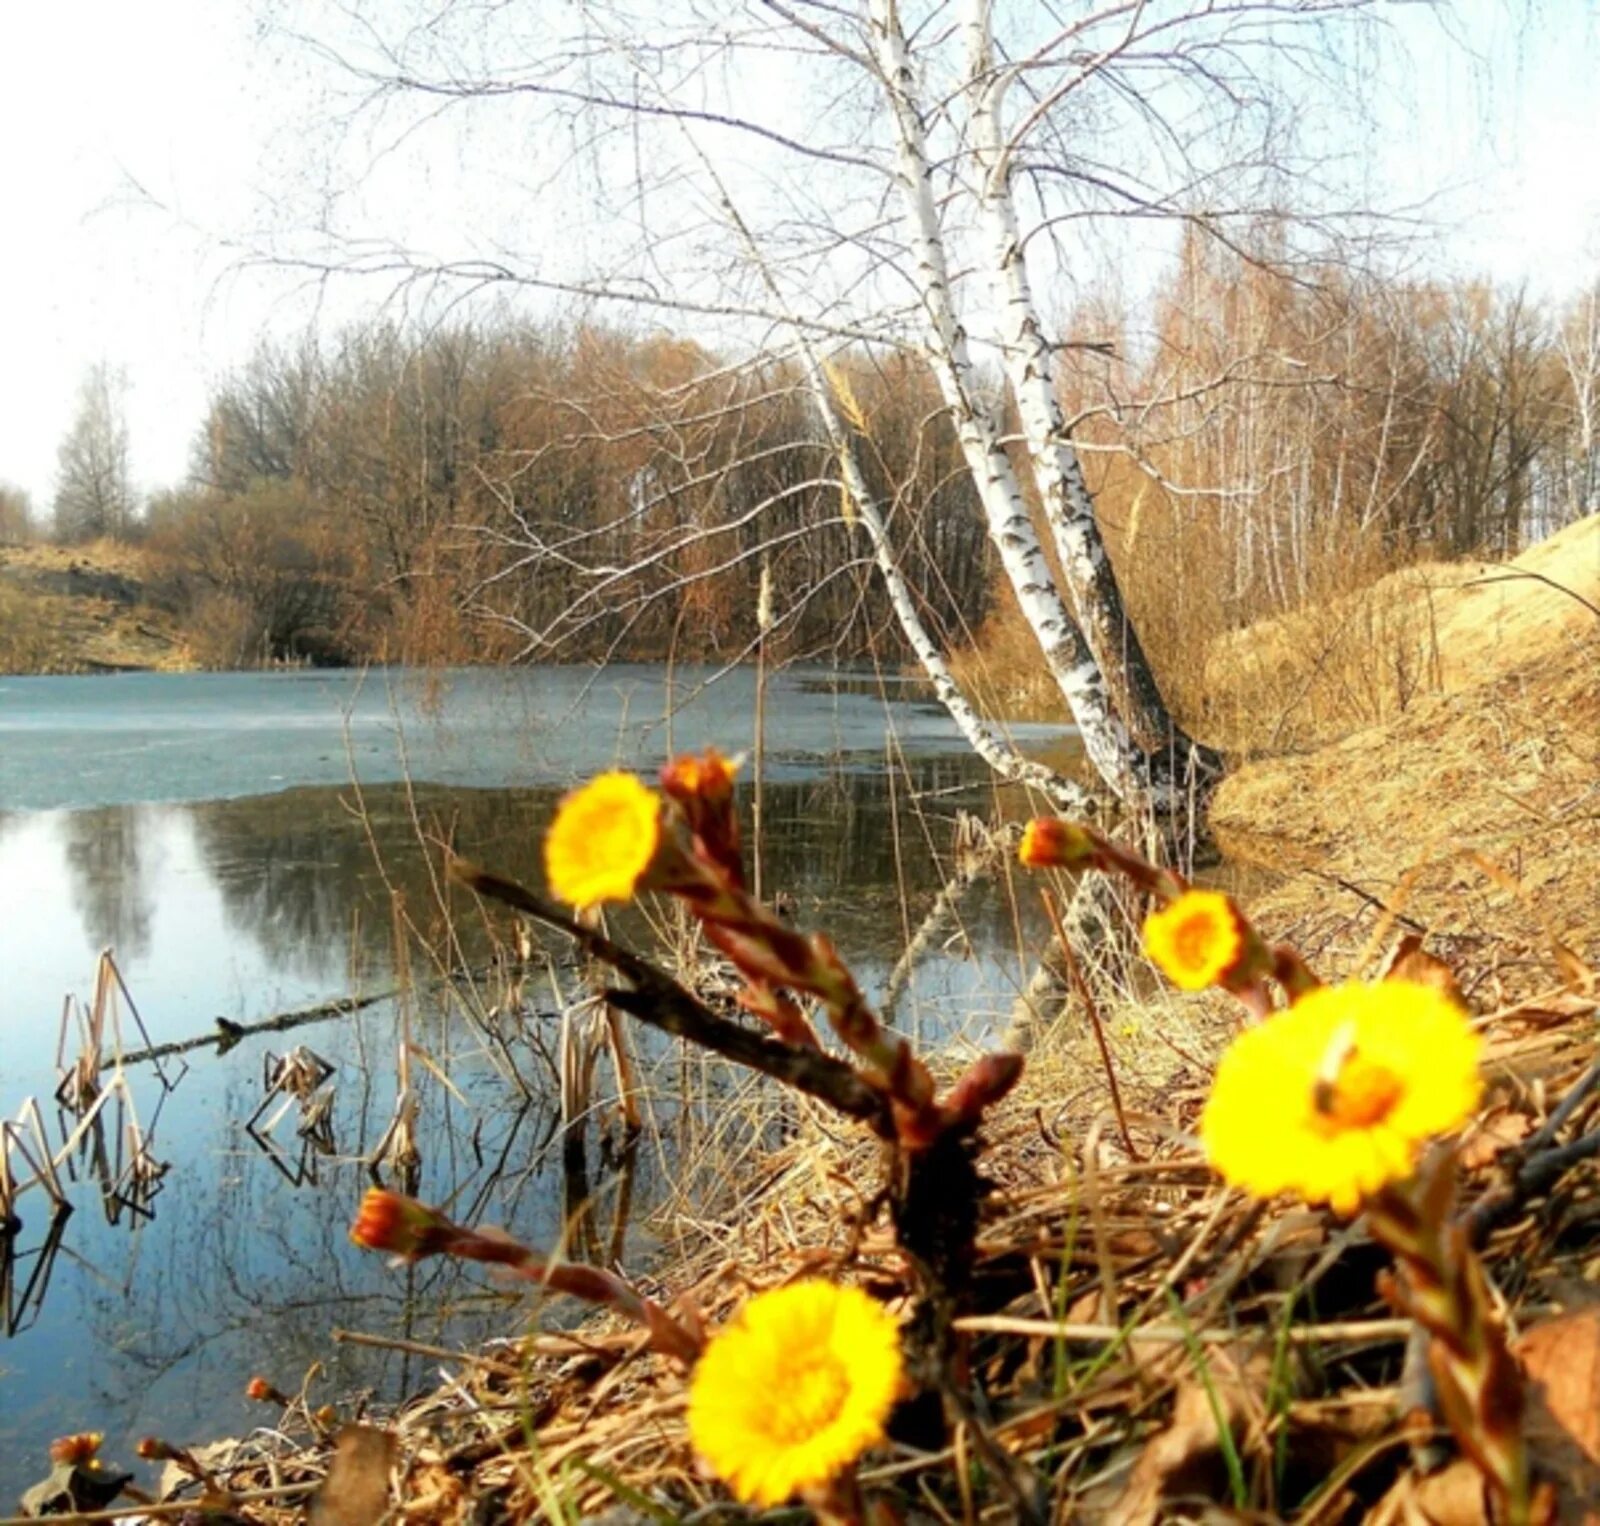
83,609
1477,808
1437,627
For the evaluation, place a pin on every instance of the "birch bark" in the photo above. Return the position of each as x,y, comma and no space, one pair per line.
1072,663
999,754
1029,363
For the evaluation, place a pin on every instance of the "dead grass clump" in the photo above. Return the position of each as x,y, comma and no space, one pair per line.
1371,656
1477,814
1148,1343
24,644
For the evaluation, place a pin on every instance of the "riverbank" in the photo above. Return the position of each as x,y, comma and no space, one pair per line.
85,609
1147,1345
1471,809
1141,1338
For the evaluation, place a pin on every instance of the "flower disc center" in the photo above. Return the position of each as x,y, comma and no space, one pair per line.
1363,1093
814,1399
1195,938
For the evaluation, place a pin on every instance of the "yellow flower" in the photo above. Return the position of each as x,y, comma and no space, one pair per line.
1196,939
794,1389
602,840
1049,843
1333,1098
708,776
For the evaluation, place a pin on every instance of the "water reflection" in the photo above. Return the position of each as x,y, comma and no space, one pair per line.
245,908
113,858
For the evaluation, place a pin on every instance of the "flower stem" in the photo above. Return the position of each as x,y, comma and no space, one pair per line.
1440,1284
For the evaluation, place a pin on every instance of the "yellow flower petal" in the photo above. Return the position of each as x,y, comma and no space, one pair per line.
1332,1099
603,839
1196,939
794,1389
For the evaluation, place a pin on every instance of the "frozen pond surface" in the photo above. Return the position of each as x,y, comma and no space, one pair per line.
73,742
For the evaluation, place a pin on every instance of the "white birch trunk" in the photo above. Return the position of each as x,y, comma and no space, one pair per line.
999,754
1072,663
1030,368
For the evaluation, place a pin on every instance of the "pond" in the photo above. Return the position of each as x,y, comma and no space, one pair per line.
249,845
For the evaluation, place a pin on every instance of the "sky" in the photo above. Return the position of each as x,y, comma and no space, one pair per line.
142,147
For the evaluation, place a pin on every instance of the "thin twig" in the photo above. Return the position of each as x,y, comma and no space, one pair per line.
1564,1110
1536,1176
1081,986
657,999
1372,1330
420,1348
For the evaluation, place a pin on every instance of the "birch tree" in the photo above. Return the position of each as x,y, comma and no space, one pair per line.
93,493
809,179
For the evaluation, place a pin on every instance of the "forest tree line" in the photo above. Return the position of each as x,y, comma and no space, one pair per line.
502,490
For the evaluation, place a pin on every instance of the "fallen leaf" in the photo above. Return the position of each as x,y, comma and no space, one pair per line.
1577,974
1185,1460
1411,962
73,1487
1499,1130
1454,1496
1561,1358
435,1497
214,1457
356,1490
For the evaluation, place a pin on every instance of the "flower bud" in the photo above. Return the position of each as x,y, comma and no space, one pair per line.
1050,843
402,1226
263,1392
702,789
708,777
76,1449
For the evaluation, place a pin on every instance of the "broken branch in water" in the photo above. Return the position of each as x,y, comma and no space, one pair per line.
657,999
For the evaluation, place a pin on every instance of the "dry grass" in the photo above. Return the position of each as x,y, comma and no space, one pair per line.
1370,657
1110,1293
82,609
1362,653
1476,815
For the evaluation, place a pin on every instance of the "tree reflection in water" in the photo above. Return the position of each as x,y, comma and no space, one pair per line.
114,857
242,908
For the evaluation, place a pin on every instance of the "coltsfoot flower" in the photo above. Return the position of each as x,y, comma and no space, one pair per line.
794,1389
1196,939
1333,1099
388,1221
78,1449
603,840
1049,843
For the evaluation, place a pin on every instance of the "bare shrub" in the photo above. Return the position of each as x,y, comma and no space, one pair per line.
25,645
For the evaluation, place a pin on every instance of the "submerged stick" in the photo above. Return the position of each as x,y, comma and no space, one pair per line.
228,1033
657,999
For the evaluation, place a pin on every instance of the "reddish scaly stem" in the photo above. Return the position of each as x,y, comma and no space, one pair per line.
411,1230
1440,1284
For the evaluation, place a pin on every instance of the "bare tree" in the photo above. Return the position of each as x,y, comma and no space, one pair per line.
1578,342
816,183
16,516
93,493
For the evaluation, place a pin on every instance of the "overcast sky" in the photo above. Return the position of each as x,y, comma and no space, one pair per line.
141,145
